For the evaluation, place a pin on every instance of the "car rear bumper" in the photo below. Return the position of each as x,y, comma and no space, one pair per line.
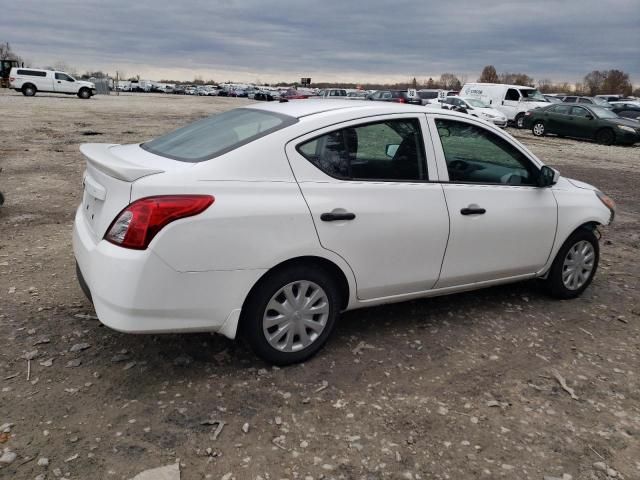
135,291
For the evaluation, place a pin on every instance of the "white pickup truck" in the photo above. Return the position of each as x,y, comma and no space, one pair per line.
32,80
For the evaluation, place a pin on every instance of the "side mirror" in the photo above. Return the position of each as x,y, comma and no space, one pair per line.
391,149
589,117
548,176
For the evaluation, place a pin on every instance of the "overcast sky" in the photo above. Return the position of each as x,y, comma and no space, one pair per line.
372,41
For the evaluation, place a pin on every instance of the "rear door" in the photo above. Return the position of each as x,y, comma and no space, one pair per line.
502,225
367,185
557,118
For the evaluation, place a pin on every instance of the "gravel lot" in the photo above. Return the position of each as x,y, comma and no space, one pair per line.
458,387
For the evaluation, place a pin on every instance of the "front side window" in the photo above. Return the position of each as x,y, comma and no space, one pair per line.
512,94
579,111
391,150
62,76
476,155
218,134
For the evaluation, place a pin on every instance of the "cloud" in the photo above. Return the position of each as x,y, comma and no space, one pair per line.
330,40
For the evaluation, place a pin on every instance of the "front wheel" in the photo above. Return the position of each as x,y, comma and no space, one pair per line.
605,136
290,314
575,265
538,129
84,93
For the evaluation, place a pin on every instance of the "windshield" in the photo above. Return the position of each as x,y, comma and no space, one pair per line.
601,102
218,134
474,102
532,95
604,112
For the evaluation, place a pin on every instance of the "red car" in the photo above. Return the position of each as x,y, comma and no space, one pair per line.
293,94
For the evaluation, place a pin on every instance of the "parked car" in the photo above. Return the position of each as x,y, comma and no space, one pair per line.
396,96
512,100
583,121
165,242
29,81
333,93
179,90
553,98
586,100
293,94
475,108
357,95
626,109
428,96
264,95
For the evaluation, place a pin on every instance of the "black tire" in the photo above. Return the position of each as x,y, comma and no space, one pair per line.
605,136
28,90
255,308
84,93
554,281
538,128
519,120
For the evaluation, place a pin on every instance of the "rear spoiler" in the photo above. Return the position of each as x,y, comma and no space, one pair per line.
99,156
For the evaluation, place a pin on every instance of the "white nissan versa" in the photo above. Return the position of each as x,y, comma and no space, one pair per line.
268,220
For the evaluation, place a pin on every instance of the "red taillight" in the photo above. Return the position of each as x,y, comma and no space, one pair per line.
401,100
137,224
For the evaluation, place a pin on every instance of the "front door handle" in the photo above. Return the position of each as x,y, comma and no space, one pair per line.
335,216
473,211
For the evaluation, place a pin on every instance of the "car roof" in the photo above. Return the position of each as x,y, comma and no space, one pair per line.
309,107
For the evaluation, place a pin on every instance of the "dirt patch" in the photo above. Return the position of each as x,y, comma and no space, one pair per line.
456,387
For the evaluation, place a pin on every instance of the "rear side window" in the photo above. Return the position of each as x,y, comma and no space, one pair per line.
563,109
383,151
216,135
32,73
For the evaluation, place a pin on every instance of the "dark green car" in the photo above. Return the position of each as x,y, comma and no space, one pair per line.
583,121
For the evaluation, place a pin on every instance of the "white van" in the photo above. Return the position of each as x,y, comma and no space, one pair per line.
32,80
512,100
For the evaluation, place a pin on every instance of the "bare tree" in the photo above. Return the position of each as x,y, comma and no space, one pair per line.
489,75
516,79
449,81
594,81
617,81
545,85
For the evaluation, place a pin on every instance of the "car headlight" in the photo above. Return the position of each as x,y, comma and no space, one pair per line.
627,129
608,202
488,115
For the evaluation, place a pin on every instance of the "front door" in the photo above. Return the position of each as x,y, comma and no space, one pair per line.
502,225
511,103
583,123
367,186
64,83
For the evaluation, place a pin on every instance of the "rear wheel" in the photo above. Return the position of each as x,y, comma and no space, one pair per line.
28,90
290,314
538,128
575,265
605,136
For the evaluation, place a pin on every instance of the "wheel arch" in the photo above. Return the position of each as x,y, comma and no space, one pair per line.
591,224
310,260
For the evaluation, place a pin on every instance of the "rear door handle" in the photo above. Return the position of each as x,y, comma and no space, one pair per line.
335,216
473,211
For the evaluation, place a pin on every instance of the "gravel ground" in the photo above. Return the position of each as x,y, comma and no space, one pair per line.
458,387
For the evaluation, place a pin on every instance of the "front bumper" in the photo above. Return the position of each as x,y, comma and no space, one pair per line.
135,291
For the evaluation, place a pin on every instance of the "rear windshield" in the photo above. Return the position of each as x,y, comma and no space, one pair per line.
216,135
428,95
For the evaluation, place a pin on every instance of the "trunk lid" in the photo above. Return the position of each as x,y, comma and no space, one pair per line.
110,174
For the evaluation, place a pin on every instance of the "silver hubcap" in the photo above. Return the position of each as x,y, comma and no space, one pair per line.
538,129
578,265
295,316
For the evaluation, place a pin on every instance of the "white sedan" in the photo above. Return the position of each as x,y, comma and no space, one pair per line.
269,220
475,108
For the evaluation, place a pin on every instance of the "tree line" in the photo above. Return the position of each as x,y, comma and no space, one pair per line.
594,83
